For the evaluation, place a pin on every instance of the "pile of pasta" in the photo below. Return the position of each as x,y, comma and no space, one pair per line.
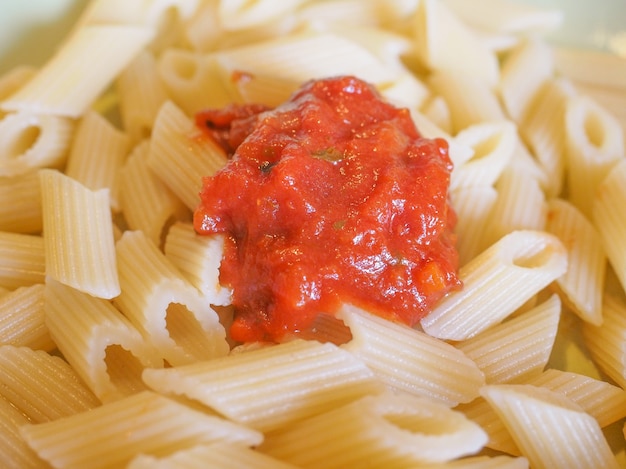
113,322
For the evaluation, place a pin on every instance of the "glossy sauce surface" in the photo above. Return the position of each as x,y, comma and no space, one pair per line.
331,197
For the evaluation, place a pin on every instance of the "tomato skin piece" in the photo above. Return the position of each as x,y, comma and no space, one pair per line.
331,197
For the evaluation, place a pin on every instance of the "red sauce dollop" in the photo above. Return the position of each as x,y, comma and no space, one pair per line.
331,197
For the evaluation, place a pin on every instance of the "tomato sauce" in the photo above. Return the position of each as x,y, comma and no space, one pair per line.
332,197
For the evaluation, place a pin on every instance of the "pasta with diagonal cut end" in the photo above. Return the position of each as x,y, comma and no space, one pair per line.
498,281
410,361
273,386
544,423
392,430
79,246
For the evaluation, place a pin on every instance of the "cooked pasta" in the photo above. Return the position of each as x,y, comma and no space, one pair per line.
79,248
116,347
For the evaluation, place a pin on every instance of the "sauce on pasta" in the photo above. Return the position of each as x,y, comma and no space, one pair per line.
332,197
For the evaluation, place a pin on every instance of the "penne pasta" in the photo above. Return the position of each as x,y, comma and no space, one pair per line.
21,210
544,423
179,153
213,456
594,144
443,42
148,204
471,101
98,152
22,319
38,385
141,93
543,130
23,260
583,284
198,258
473,205
144,423
520,205
168,311
78,237
507,16
611,193
16,454
493,145
523,73
387,430
64,86
271,387
606,343
106,351
410,361
517,349
603,401
497,282
30,141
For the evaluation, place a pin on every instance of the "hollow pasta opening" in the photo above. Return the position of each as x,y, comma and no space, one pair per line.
23,141
185,330
124,369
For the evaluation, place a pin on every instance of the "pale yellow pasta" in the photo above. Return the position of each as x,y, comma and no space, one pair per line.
517,349
38,384
98,152
305,56
16,454
590,66
20,211
480,412
550,430
271,387
13,79
23,260
543,130
106,351
443,42
470,100
241,14
355,390
65,86
78,236
611,99
473,205
213,456
482,462
144,423
196,81
602,400
520,205
390,430
410,361
198,258
583,283
29,141
493,144
497,282
179,152
608,219
169,312
594,144
607,343
523,73
141,94
507,16
147,203
22,319
436,110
